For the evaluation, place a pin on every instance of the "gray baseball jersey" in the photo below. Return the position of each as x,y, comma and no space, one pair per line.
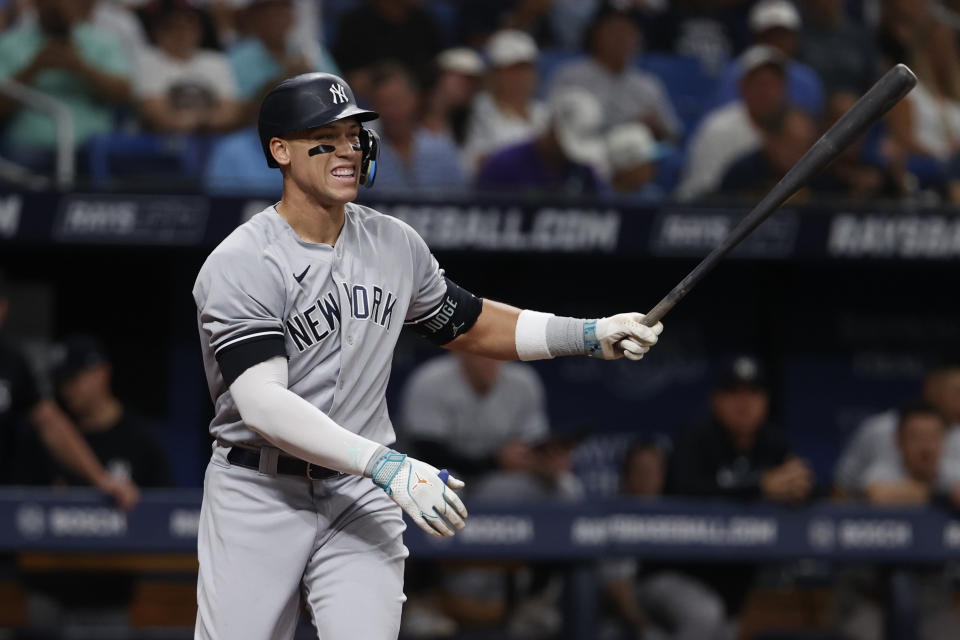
338,311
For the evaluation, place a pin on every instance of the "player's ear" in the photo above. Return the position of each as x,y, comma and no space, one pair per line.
280,150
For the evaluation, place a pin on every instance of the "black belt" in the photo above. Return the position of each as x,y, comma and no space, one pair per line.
286,465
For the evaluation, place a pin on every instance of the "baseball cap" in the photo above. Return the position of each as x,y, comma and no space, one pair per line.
769,14
577,120
509,46
761,55
631,144
462,60
76,354
741,371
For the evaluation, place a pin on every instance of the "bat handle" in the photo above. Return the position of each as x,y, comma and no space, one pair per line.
659,310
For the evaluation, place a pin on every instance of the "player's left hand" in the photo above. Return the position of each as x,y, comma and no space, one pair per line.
423,492
621,335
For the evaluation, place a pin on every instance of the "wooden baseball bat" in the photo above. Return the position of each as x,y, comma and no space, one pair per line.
890,89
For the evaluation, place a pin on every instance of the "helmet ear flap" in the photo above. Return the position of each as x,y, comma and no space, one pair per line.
370,148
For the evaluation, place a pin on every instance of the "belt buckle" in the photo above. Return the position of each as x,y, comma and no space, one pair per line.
309,471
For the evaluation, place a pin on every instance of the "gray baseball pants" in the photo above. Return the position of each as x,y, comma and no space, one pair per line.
265,540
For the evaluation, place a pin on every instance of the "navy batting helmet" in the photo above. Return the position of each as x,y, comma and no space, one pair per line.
313,100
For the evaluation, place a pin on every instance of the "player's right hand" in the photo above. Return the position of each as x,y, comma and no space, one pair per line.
423,492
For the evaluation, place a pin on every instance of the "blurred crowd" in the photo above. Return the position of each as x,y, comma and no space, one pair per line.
487,421
644,99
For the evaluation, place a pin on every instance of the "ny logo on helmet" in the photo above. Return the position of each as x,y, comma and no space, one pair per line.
339,95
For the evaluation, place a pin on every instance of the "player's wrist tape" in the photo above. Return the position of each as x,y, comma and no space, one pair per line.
544,335
383,467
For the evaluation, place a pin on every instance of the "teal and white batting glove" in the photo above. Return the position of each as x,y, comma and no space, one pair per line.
423,492
618,336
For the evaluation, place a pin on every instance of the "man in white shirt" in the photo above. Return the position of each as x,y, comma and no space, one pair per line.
507,113
181,88
874,444
478,414
734,130
626,93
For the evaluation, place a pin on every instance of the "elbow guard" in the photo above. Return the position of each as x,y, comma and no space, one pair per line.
455,315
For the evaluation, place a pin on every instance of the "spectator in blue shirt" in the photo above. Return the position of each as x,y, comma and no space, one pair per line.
411,156
562,159
237,167
776,23
269,53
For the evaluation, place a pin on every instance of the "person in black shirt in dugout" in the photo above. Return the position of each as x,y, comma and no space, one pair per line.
123,442
736,453
127,449
21,401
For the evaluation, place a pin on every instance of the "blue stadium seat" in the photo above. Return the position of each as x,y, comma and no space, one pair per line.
669,169
447,17
549,61
132,155
686,82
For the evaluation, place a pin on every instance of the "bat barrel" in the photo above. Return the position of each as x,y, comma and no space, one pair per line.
882,96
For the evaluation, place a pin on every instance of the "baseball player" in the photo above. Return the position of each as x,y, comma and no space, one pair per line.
299,310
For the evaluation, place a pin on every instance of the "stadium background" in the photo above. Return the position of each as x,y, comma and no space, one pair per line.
845,331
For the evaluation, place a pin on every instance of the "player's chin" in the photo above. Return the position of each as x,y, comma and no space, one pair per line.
342,191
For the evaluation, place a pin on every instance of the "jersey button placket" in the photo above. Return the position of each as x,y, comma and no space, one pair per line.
339,276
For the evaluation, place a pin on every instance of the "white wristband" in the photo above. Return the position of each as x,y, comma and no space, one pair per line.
531,336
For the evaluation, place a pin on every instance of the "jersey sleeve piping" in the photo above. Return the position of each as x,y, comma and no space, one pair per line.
426,316
242,353
248,336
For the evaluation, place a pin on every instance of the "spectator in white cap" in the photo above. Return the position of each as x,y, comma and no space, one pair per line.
507,112
633,153
456,81
776,23
563,159
610,74
731,131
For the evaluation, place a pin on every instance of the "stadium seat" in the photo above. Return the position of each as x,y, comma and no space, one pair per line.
549,61
446,16
124,155
686,82
669,169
